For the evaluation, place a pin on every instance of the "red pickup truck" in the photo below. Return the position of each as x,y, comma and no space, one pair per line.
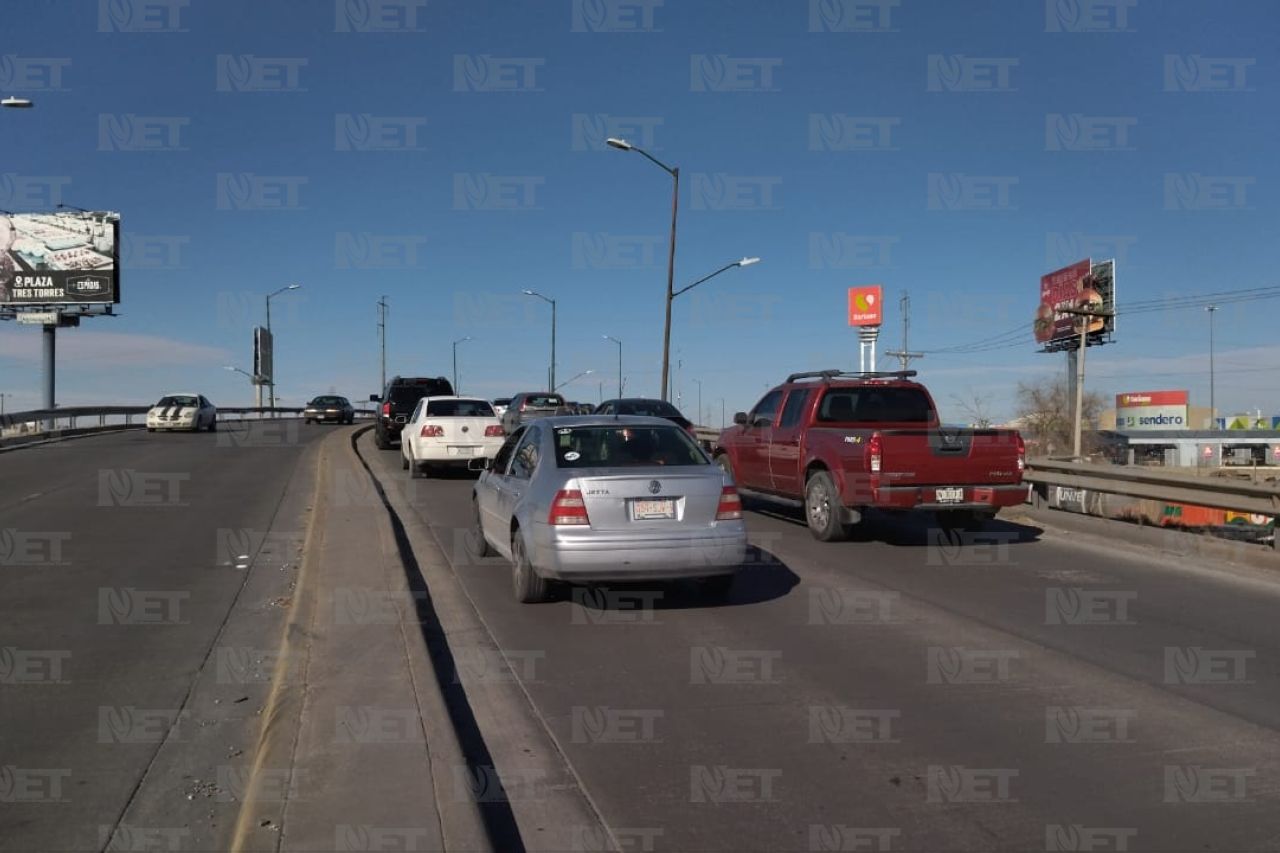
838,443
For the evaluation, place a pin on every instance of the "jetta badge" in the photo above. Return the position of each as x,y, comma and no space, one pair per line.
654,487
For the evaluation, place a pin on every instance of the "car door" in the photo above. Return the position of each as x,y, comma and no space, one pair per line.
784,447
205,414
490,489
524,461
752,468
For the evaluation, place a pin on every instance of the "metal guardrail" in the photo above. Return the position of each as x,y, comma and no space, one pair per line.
36,424
1149,484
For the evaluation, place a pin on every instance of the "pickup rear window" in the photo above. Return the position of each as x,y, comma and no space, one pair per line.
874,404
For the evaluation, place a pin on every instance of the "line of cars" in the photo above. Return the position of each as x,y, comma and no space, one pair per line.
628,494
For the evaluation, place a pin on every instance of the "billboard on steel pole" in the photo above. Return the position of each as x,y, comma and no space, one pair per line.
262,360
61,258
1082,284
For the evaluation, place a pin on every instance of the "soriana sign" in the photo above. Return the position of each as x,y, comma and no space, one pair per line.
866,305
1138,410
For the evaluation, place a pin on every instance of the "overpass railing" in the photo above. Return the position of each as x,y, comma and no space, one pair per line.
40,424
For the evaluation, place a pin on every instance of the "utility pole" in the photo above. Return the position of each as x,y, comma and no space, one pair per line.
1084,315
905,354
1213,411
382,340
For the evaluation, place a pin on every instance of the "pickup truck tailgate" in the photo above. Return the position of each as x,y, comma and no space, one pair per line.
944,457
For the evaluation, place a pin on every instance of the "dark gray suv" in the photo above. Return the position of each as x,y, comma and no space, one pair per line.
397,402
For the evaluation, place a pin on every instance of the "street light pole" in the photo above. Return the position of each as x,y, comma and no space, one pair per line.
571,380
271,378
1213,410
1084,314
666,344
455,362
674,172
619,343
551,376
699,421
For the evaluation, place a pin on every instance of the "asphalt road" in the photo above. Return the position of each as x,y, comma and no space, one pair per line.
1024,691
119,561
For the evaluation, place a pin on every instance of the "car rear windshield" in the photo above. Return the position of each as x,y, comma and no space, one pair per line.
544,401
874,404
401,394
178,400
327,401
625,447
460,409
650,408
502,401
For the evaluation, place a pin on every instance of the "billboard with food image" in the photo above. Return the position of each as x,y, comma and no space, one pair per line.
1083,284
68,257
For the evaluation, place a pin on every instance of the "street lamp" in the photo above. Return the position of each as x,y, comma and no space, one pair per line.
551,382
1213,411
666,343
271,378
455,361
17,103
674,172
619,343
699,420
570,381
252,379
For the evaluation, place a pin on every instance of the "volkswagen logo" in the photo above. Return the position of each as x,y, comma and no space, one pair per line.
466,429
654,487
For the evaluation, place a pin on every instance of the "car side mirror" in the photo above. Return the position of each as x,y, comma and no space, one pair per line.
740,418
374,398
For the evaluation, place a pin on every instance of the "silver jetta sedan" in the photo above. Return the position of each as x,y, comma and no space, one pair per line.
608,498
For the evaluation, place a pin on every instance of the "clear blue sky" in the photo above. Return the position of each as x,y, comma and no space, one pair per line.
760,176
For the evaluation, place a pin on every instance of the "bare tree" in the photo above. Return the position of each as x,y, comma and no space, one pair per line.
1047,413
976,407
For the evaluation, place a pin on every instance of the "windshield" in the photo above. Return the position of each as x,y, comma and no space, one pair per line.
460,409
650,408
543,401
875,404
328,401
402,394
502,401
178,400
625,447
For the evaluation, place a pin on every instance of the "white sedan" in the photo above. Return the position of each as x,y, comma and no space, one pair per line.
182,411
450,431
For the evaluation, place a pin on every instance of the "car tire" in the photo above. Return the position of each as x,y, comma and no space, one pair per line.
479,546
529,586
151,429
404,462
717,587
822,508
380,440
213,424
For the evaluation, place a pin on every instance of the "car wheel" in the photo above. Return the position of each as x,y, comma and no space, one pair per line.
529,586
480,547
717,588
422,469
822,508
404,462
213,424
380,440
151,429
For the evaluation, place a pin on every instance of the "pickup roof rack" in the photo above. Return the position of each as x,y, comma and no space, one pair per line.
832,374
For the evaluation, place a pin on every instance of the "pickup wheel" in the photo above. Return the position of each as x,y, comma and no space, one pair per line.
822,508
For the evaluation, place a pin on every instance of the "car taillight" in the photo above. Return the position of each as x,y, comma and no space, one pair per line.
874,448
568,508
493,431
1022,454
386,410
730,505
431,431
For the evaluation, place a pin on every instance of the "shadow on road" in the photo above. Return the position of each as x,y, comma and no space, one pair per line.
763,577
914,529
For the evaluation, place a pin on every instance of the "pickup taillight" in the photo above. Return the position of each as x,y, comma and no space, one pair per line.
386,410
1022,454
875,446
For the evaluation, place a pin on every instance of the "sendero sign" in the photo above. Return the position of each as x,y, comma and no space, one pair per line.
1151,410
866,305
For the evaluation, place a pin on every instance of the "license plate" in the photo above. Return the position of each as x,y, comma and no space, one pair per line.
646,510
949,496
463,450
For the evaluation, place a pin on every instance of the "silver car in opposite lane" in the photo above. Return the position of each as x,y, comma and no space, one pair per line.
596,498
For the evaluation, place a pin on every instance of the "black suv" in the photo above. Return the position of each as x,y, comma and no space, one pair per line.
397,402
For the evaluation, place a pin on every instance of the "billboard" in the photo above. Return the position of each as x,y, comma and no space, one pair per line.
68,257
1081,283
262,356
866,305
1139,410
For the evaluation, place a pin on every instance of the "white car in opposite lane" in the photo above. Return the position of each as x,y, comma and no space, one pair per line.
182,411
450,431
